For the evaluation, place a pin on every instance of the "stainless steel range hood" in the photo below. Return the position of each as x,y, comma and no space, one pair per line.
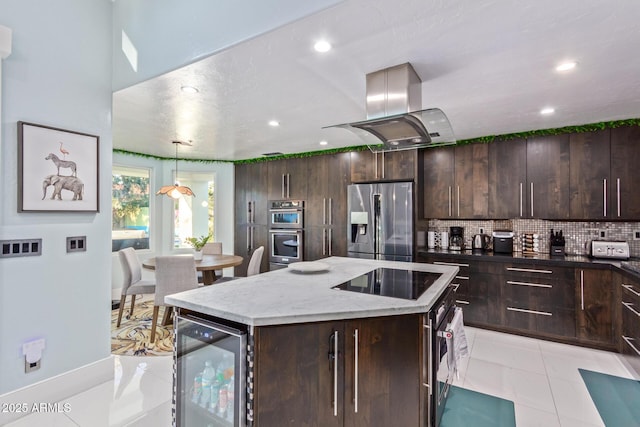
395,120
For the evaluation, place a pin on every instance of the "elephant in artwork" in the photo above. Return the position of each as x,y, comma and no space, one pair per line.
60,183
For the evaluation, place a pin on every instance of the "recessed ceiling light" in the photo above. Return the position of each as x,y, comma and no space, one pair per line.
274,123
189,89
323,142
322,46
566,66
548,110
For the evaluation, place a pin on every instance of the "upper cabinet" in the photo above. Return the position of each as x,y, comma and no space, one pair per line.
288,179
394,165
251,193
507,179
625,173
548,177
456,182
590,184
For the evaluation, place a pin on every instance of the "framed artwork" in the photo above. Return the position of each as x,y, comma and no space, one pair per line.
57,170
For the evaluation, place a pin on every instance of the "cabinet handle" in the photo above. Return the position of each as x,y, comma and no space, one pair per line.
522,310
532,200
630,289
334,359
324,241
324,211
582,289
449,200
282,186
462,277
288,186
248,212
604,196
253,212
628,341
455,286
462,302
455,264
529,270
330,211
630,307
618,194
458,200
535,285
248,240
521,200
355,371
382,156
429,354
375,164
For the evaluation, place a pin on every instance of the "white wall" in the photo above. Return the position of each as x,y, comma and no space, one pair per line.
59,74
161,241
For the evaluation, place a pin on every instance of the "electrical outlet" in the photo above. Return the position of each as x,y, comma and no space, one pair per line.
602,234
481,230
636,235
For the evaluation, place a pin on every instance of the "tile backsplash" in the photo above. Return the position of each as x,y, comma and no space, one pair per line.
576,234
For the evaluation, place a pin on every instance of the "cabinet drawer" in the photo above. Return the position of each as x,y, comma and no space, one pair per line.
539,294
631,319
631,293
537,272
557,321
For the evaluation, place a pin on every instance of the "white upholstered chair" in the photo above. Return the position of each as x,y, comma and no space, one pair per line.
213,248
173,274
252,269
132,284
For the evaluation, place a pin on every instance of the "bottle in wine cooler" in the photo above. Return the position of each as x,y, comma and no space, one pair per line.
208,375
215,394
197,388
223,401
230,399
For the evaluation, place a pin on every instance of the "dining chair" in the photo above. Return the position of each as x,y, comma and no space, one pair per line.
132,283
213,248
252,269
173,274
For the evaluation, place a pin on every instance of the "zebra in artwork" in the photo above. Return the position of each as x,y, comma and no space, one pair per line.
62,164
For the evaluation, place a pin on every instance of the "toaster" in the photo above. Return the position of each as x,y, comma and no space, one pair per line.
609,249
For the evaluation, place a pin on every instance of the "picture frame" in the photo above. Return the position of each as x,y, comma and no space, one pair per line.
58,169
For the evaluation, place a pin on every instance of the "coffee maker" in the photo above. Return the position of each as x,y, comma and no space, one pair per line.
456,238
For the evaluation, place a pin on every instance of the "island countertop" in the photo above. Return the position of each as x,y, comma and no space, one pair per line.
285,297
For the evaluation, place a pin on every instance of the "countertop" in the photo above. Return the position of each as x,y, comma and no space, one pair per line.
285,297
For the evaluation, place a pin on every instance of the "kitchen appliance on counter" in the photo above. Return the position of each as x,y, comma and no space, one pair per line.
481,242
556,243
612,249
380,222
456,238
503,241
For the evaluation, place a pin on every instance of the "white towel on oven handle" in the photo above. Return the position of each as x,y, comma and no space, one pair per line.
456,341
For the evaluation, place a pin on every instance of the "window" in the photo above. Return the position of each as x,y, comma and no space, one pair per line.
193,216
130,208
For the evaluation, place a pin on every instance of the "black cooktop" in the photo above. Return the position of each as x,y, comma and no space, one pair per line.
391,282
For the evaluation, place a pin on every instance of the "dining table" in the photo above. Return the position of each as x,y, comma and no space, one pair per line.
207,265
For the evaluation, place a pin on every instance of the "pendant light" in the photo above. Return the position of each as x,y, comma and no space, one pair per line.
176,190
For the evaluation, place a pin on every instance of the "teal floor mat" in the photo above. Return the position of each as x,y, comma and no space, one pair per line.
466,408
617,399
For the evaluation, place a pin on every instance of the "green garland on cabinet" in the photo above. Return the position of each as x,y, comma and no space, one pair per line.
483,139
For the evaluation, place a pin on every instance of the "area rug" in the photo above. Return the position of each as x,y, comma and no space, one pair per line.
617,399
132,337
466,408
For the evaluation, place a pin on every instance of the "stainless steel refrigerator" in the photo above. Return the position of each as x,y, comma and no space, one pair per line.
380,221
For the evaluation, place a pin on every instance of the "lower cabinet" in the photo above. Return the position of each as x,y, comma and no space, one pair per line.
595,319
629,303
363,372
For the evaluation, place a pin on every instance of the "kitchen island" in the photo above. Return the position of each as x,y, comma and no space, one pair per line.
319,356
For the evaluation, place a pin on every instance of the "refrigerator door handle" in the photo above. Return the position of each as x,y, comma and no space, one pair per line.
376,224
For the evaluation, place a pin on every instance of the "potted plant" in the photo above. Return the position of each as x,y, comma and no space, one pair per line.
198,243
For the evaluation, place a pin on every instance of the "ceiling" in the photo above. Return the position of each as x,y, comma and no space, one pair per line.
489,65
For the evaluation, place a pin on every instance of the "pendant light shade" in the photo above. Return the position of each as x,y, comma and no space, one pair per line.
176,190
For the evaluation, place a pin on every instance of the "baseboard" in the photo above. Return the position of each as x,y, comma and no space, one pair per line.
57,388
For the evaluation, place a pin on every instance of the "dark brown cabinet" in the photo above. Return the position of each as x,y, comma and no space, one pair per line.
589,181
363,372
250,213
594,307
456,182
548,177
287,179
507,179
326,206
393,165
625,173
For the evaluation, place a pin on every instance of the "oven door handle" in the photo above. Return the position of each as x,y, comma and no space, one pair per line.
284,231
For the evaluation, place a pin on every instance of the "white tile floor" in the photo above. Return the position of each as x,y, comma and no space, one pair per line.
540,377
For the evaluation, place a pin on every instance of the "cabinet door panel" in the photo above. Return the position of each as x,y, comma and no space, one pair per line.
294,375
471,195
388,372
438,182
399,164
594,301
548,173
625,173
590,181
364,166
507,179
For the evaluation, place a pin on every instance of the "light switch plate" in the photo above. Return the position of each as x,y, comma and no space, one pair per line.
20,247
77,244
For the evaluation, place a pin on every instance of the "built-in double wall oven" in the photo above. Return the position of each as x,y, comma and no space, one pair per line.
286,223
